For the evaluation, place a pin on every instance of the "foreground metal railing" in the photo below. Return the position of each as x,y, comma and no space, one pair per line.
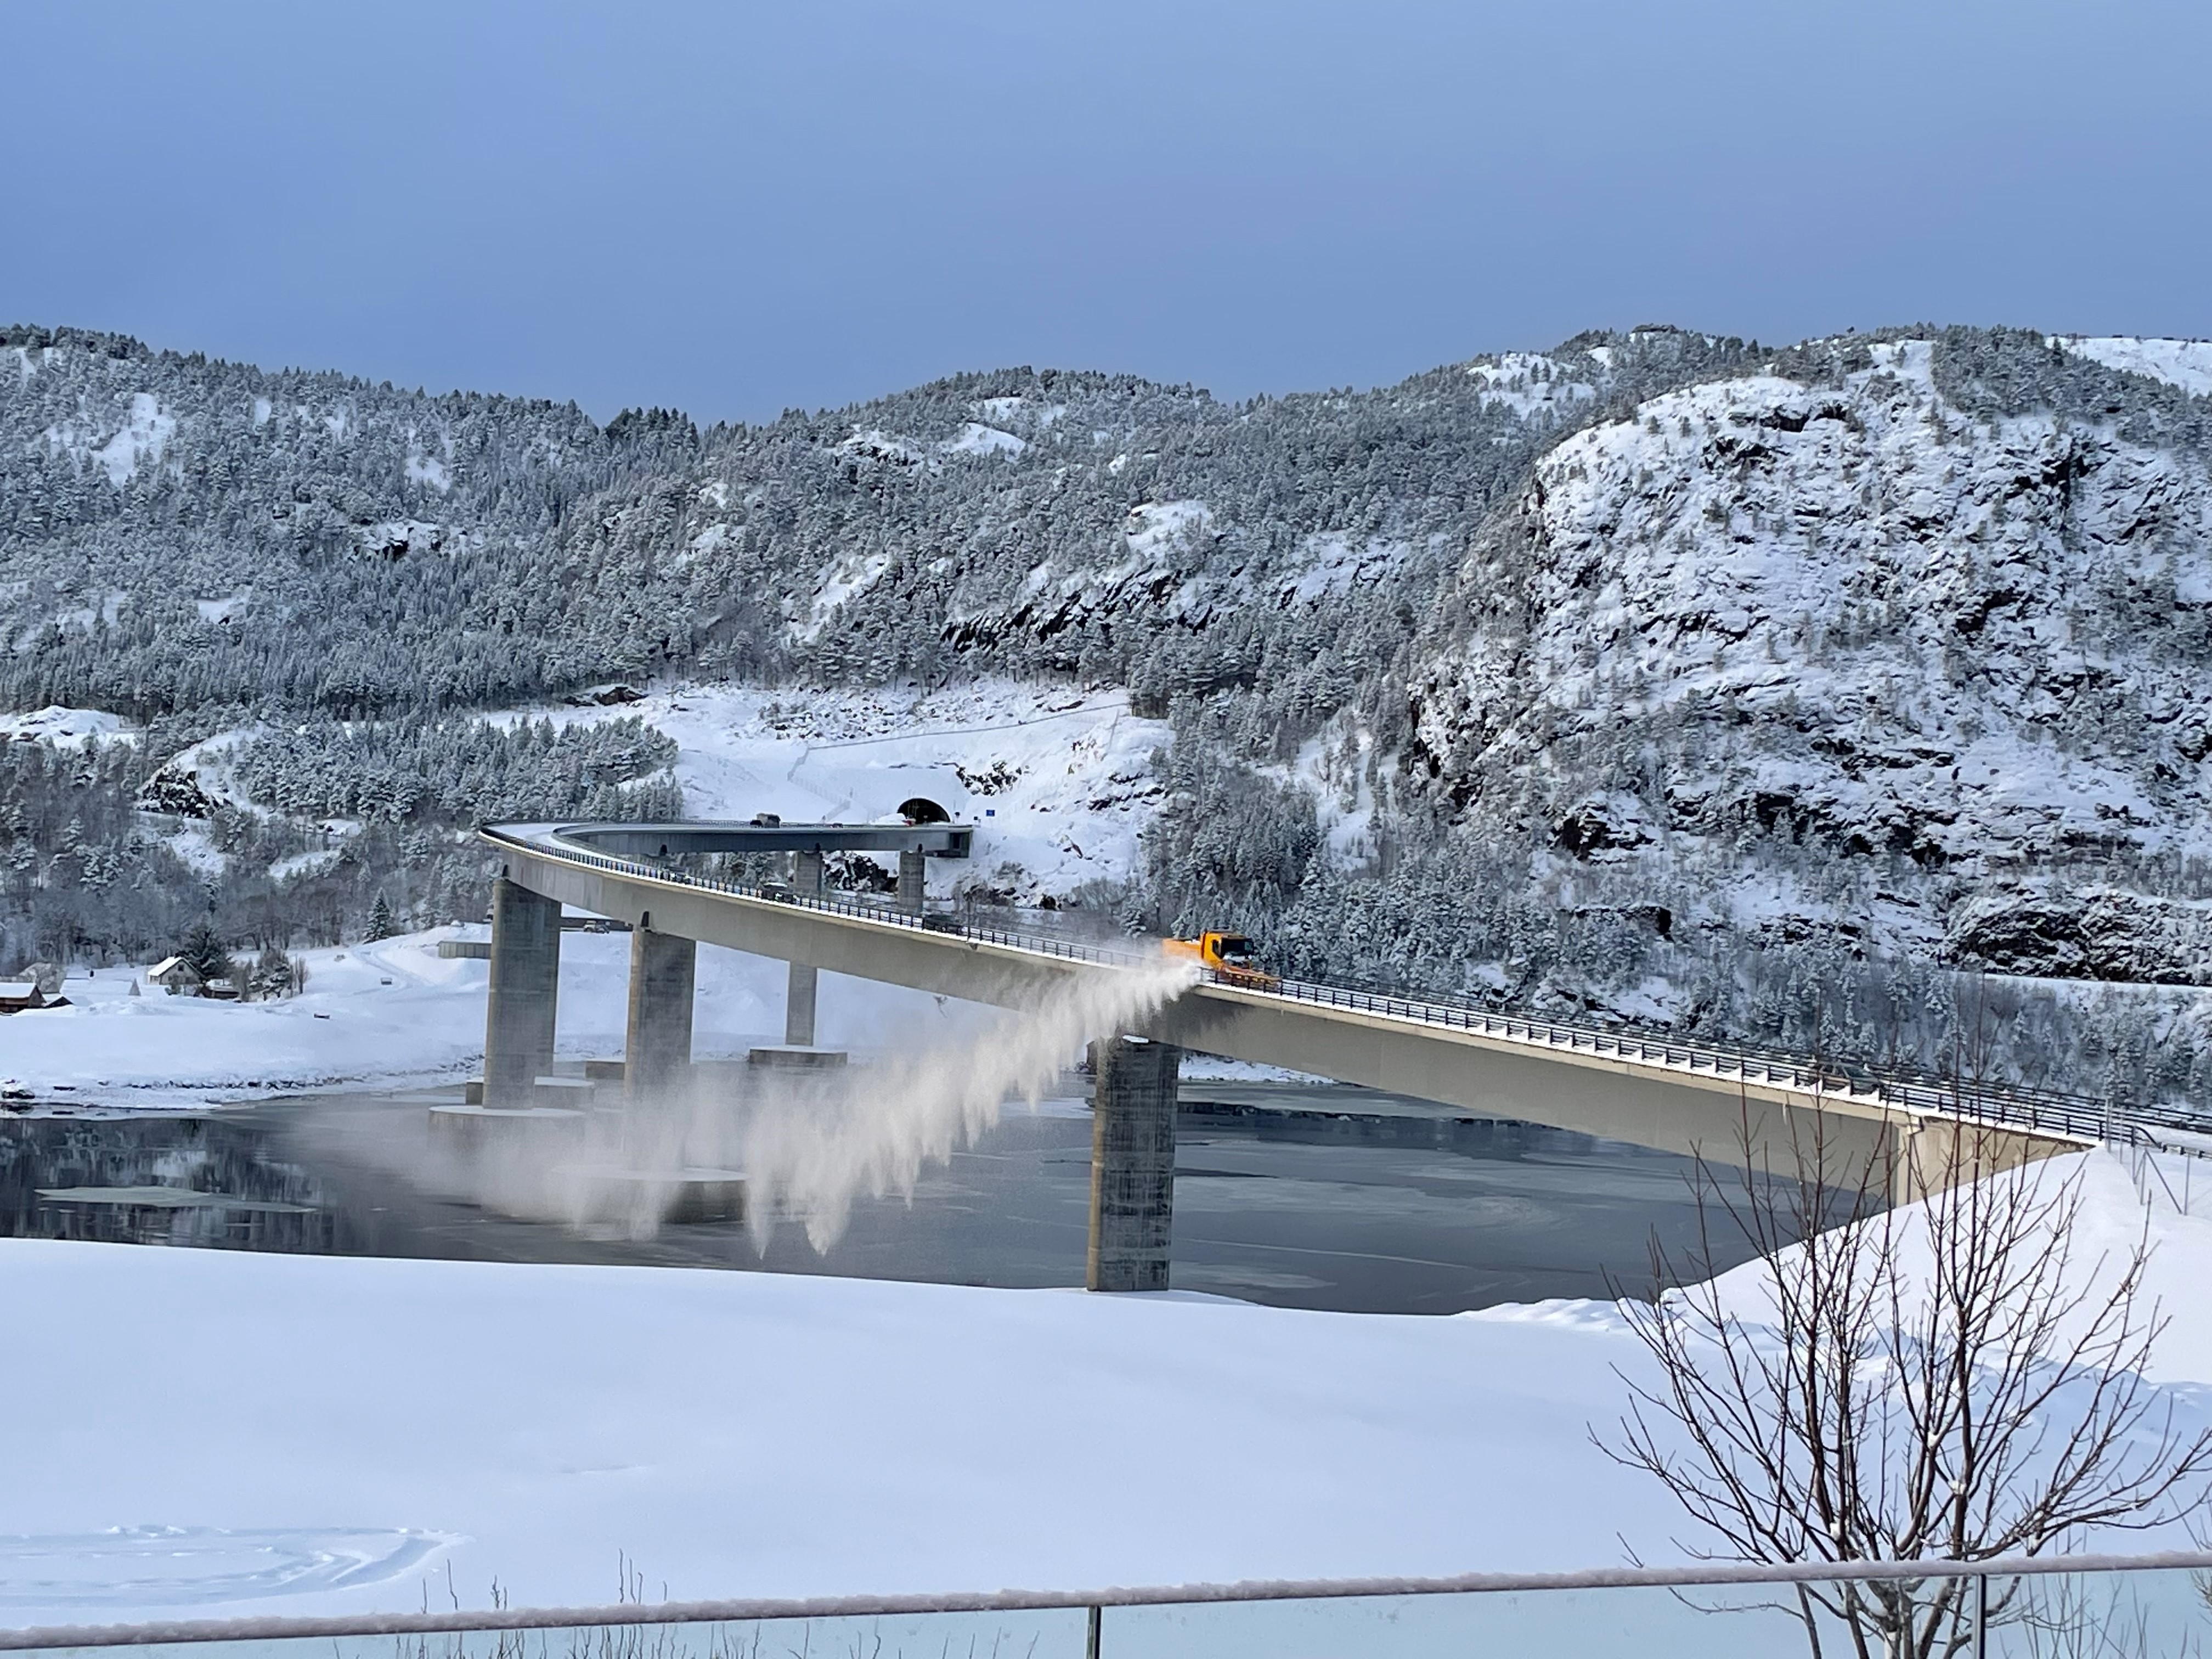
2011,1105
1983,1598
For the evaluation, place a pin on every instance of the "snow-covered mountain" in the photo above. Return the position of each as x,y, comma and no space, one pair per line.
1658,673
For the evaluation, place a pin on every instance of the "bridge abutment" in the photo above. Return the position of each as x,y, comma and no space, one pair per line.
521,1012
657,1047
1133,1152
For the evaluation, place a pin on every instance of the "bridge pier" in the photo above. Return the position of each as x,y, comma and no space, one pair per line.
800,990
657,1047
522,1008
1133,1152
798,993
911,866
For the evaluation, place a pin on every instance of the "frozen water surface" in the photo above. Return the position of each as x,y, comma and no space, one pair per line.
1292,1194
197,1566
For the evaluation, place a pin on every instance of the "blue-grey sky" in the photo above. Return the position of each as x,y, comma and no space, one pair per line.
733,209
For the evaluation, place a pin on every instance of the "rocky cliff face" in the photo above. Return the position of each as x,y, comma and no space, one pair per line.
2090,932
1941,648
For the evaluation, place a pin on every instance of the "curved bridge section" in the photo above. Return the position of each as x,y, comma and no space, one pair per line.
931,839
1680,1098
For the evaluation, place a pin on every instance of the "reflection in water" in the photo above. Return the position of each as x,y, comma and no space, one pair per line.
1311,1198
159,1180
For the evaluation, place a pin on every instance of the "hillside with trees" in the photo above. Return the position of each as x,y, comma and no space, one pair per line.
1660,677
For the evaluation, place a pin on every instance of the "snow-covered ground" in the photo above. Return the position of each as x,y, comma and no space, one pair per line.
1057,782
64,728
1212,1068
737,1433
1528,382
332,1433
2185,363
394,1012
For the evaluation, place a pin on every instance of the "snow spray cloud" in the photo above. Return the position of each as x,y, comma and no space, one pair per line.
808,1143
810,1147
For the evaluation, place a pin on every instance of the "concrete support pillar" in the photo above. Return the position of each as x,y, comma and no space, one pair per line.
657,1052
910,887
520,1015
807,874
799,1007
800,990
1133,1151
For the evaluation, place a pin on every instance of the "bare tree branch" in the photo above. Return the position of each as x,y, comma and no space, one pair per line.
1947,1381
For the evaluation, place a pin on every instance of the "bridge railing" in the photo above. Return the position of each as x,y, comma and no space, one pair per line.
1040,944
2059,1602
2011,1104
2075,1114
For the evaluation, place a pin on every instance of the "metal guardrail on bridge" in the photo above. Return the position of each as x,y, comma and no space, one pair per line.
2011,1104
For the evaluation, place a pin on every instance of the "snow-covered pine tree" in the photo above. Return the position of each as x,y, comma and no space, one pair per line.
203,948
272,973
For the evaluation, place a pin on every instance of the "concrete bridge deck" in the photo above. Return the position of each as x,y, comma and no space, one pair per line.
1709,1101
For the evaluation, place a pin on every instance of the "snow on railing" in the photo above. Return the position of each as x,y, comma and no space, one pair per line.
665,1615
2011,1104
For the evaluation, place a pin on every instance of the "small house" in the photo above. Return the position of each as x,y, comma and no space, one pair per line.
20,998
175,976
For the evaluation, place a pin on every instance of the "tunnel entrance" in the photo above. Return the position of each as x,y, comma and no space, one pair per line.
920,809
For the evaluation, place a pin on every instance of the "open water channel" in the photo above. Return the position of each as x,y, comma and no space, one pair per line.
1300,1196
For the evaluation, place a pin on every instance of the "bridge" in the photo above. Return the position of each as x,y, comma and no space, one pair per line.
1724,1103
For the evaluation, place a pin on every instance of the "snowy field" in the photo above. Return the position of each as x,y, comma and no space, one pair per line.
754,1432
327,1433
394,1013
1057,783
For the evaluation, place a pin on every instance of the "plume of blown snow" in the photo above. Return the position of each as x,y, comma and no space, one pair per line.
811,1146
808,1143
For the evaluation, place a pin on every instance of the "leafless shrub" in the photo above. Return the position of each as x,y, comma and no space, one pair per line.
1947,1381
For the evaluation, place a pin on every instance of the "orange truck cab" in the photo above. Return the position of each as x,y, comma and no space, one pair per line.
1228,955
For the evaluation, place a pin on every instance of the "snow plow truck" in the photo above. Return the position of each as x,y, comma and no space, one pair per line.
1228,955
